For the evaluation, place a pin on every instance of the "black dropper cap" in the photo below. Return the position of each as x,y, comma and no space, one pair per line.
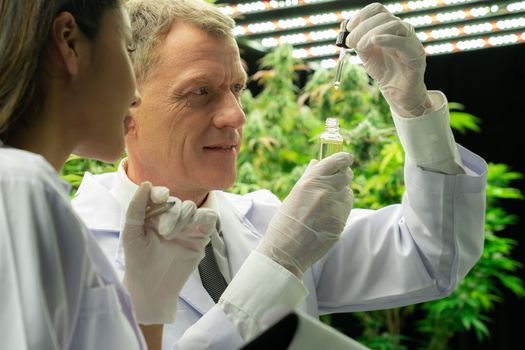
340,41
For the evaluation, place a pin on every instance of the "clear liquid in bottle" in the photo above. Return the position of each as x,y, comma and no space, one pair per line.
331,140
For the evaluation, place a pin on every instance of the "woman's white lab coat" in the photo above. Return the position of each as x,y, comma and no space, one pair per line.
58,291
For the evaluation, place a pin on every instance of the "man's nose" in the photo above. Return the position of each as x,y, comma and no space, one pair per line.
229,113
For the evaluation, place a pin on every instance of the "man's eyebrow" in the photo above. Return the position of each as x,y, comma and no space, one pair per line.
243,76
195,77
187,80
128,33
124,27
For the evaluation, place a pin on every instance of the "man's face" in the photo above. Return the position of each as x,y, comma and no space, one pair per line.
188,128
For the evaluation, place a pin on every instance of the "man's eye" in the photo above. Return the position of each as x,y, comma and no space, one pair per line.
131,48
200,91
237,88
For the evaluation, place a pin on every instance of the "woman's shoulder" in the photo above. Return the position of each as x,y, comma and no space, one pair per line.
23,169
18,162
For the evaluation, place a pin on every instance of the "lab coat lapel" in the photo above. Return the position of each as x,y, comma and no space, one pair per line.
194,294
240,237
95,205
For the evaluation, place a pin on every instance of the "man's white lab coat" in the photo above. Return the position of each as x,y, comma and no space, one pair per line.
399,255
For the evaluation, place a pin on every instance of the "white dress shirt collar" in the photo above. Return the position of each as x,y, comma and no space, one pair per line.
123,188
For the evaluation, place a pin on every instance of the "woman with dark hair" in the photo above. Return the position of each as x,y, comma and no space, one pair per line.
67,85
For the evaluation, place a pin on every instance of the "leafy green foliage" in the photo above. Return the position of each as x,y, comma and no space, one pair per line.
461,121
275,121
75,167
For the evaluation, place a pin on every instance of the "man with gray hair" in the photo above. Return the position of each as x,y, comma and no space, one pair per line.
186,134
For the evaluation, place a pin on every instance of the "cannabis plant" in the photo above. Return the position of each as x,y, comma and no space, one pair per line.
280,137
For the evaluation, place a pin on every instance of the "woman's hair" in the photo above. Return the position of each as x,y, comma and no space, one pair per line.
25,30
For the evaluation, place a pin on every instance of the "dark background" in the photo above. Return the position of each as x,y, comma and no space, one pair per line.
491,85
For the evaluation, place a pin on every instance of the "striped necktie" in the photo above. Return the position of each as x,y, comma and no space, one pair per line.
211,277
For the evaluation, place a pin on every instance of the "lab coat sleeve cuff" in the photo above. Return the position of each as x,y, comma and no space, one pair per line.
428,140
259,285
214,330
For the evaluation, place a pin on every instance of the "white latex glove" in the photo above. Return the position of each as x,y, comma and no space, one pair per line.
313,215
393,56
156,267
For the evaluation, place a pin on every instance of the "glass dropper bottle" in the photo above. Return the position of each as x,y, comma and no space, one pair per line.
331,140
340,42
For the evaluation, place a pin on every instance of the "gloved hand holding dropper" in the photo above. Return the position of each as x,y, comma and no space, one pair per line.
162,251
393,56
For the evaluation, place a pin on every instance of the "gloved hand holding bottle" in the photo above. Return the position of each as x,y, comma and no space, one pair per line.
162,251
393,56
313,215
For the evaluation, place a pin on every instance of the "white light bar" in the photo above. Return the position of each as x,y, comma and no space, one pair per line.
471,29
395,7
421,4
517,6
300,38
444,48
424,36
436,49
337,17
261,6
316,51
473,44
331,63
431,49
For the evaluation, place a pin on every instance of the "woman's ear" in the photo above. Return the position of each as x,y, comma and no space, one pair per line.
67,40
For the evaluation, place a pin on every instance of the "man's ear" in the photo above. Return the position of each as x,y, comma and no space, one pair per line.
131,126
66,40
131,119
